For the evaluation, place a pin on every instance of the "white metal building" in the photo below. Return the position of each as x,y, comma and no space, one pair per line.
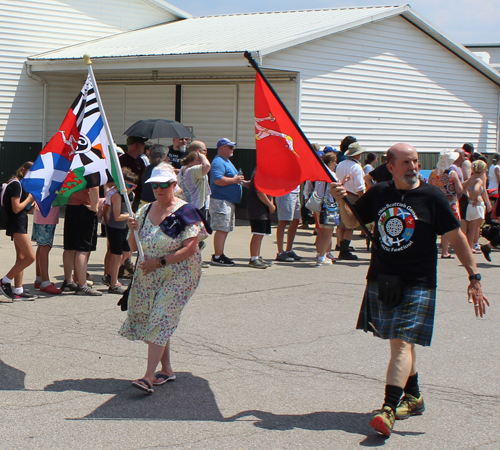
383,74
28,27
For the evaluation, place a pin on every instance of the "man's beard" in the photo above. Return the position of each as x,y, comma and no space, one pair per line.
410,177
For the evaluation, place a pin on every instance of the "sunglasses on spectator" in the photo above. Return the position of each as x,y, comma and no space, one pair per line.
162,185
129,185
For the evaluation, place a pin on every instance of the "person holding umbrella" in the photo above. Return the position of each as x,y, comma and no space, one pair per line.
132,160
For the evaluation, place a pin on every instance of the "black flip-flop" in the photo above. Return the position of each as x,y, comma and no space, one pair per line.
448,257
147,390
164,378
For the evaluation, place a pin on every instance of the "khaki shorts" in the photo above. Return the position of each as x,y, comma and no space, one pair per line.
352,198
221,215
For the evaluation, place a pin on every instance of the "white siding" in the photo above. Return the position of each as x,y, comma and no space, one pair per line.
28,27
288,92
211,111
387,82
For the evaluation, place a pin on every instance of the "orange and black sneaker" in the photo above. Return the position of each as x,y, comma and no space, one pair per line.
410,406
383,420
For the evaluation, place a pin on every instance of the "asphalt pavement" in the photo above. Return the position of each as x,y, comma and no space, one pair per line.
265,359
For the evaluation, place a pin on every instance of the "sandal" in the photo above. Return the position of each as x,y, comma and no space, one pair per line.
162,378
144,387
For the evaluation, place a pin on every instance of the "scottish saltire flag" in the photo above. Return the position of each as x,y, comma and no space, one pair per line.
76,158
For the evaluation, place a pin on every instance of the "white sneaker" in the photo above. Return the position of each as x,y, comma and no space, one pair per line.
330,256
324,262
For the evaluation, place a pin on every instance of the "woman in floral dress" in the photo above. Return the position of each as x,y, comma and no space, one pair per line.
448,182
169,231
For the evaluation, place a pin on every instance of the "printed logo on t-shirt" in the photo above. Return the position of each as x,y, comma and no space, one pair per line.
396,225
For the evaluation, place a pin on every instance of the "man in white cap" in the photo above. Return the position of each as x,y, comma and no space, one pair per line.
350,173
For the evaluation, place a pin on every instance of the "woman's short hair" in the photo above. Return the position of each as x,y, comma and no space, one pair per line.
479,166
157,154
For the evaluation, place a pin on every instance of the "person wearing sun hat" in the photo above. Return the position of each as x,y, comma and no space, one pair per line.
170,231
351,174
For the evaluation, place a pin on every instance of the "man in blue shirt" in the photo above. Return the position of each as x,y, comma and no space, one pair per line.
225,184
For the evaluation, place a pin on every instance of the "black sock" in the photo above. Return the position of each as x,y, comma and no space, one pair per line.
393,396
412,386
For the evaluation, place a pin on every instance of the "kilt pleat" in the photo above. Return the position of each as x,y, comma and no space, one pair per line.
412,320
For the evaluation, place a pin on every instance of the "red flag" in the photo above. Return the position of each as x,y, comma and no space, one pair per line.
285,158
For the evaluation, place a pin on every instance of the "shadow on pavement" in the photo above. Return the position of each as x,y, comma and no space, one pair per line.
355,423
188,398
11,379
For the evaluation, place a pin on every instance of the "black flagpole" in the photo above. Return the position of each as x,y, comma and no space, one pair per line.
254,64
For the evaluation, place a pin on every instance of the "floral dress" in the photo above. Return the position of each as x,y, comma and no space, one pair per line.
156,300
447,186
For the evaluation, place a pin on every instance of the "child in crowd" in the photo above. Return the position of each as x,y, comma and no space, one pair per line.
116,232
44,229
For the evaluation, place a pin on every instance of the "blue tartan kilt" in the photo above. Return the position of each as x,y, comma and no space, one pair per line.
412,320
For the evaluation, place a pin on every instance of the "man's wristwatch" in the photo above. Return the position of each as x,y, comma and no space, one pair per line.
476,276
163,262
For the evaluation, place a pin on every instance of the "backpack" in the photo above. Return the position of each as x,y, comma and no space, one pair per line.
4,215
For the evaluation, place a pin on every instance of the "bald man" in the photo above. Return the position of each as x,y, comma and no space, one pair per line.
400,295
198,146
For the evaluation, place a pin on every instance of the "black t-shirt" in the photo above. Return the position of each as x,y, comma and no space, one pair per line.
381,173
406,227
174,157
17,223
256,209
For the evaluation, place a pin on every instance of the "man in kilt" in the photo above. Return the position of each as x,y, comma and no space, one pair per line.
400,295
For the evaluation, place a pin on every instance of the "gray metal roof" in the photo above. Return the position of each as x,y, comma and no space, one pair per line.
262,33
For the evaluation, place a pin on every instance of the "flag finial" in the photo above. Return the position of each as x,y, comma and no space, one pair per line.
87,59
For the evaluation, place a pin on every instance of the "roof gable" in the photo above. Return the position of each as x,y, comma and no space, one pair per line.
261,33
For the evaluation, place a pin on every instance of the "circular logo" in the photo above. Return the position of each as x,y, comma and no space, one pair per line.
396,226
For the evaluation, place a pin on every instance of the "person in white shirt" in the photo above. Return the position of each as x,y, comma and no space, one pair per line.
350,173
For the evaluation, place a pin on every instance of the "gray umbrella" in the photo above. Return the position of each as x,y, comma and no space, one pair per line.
158,128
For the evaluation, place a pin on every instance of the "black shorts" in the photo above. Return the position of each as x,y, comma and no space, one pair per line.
117,239
462,204
260,227
80,229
